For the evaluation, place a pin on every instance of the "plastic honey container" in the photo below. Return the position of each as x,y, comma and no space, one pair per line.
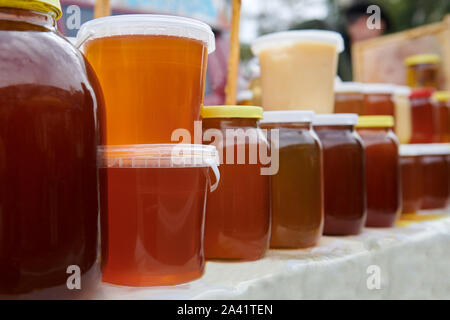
155,197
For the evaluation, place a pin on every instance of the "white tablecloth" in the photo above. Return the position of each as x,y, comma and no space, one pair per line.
411,260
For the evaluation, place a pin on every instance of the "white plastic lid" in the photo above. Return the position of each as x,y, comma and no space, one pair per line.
378,88
433,149
402,91
290,37
292,116
348,87
157,156
147,24
410,150
335,119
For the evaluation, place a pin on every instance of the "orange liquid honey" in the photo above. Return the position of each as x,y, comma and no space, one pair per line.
155,224
152,84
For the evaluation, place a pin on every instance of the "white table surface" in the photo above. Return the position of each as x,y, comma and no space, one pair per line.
413,260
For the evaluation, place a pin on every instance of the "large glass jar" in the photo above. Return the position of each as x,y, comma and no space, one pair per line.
382,170
349,98
412,178
297,191
422,71
423,116
50,112
344,175
238,213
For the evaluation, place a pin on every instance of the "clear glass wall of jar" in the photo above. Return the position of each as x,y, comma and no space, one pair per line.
344,173
382,170
238,216
51,109
297,188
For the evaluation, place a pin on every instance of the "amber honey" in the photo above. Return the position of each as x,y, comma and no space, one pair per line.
238,213
152,85
344,174
297,189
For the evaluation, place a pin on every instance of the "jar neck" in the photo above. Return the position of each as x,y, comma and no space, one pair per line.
37,18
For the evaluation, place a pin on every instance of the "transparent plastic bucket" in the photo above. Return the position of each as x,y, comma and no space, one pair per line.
155,198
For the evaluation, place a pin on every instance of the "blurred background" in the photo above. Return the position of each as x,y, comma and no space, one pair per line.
264,16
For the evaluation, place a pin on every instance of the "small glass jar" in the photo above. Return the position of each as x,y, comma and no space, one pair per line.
349,98
412,178
297,192
402,113
238,213
441,101
435,175
422,71
383,185
344,173
378,99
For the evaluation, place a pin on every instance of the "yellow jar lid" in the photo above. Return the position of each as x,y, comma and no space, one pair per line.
375,122
422,59
441,96
46,6
232,112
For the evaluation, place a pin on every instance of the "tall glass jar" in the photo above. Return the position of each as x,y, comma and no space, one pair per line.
435,175
412,177
441,101
238,216
344,175
297,188
382,170
423,116
50,112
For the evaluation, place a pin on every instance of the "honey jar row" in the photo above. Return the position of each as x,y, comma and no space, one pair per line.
422,115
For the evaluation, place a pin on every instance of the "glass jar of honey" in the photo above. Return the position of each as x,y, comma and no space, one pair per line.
383,184
378,99
412,177
51,110
155,196
344,173
348,98
238,216
441,101
297,191
423,115
436,181
422,71
152,70
403,127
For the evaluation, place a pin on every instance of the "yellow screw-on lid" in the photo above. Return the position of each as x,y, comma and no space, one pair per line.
46,6
429,58
232,112
441,96
375,122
